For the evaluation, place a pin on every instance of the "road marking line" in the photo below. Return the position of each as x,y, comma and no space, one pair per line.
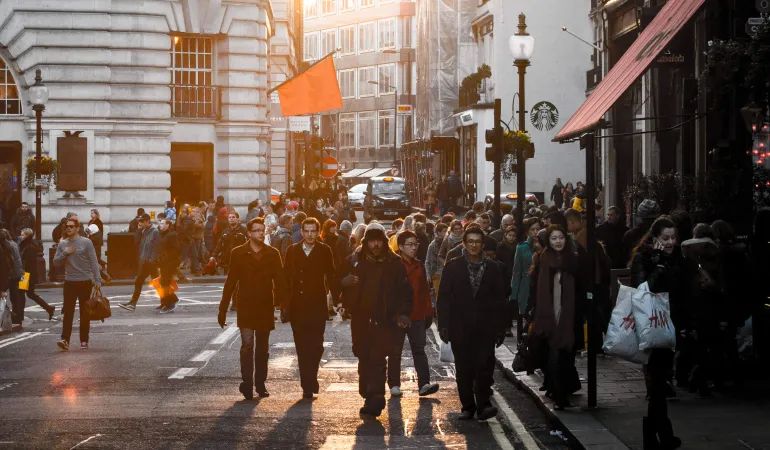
7,385
14,341
499,434
86,440
183,372
205,355
516,423
26,333
225,335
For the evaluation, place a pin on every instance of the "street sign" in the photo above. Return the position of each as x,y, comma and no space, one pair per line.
404,110
763,6
42,182
299,123
753,24
395,171
330,167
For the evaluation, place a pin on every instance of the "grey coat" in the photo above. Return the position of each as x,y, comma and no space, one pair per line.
148,245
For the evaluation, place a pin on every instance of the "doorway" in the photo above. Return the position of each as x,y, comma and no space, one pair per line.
10,181
192,172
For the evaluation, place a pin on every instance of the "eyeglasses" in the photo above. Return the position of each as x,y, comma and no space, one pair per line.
473,242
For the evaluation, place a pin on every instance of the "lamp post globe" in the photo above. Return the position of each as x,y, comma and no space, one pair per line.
38,96
38,92
521,44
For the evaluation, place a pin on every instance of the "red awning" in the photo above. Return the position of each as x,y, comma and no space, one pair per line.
671,18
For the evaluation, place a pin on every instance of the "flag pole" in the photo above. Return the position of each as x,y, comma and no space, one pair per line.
271,90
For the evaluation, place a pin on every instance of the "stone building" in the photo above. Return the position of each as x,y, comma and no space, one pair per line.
170,96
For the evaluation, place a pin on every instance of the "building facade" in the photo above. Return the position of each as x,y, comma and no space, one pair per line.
169,95
375,72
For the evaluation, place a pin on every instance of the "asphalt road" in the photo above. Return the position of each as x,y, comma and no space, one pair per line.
171,381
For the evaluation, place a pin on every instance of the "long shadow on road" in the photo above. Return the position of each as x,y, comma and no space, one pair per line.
229,427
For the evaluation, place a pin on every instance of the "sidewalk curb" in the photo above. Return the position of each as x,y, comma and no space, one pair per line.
196,280
579,426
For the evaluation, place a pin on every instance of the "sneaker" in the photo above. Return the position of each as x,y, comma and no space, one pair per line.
168,309
50,312
487,413
263,393
428,389
368,413
64,345
128,306
159,307
84,345
466,415
395,391
245,389
308,395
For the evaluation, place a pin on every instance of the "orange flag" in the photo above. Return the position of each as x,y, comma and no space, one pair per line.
313,91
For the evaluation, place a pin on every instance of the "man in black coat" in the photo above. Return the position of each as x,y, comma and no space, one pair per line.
310,269
378,295
257,271
233,236
611,233
471,315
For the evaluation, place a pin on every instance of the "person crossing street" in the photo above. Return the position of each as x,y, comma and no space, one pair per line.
148,239
169,256
257,271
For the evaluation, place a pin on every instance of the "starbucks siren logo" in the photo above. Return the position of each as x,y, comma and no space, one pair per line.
544,115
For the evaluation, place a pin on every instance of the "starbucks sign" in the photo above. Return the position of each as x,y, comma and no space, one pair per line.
544,116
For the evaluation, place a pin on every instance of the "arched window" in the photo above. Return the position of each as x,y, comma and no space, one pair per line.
9,94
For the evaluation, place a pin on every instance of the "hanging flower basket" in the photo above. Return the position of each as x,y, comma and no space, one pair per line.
49,171
514,140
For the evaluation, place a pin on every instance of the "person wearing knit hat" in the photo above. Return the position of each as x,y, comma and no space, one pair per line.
378,296
646,213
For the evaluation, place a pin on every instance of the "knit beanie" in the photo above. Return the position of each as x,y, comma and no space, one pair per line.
648,209
375,230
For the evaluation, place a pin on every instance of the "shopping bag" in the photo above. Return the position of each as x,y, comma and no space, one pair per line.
155,283
24,282
446,354
652,315
621,339
98,305
6,321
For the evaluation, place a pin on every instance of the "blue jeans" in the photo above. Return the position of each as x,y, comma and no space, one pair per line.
194,253
416,334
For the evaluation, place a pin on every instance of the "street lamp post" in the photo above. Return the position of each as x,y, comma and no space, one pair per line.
38,95
522,46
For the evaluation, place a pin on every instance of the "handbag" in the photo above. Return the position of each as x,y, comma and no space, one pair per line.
24,282
621,339
6,319
98,305
652,315
445,353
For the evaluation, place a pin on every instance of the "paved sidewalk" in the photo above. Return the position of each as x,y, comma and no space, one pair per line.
722,422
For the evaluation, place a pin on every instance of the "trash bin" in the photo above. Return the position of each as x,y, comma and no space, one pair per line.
122,258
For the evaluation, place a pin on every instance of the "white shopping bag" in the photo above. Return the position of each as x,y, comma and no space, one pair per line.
5,314
621,339
652,314
446,353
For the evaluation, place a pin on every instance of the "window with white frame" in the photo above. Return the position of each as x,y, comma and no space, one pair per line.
328,42
347,5
311,9
387,123
347,79
348,130
387,33
387,81
406,32
367,37
9,93
365,75
348,40
367,129
328,6
311,46
366,3
193,94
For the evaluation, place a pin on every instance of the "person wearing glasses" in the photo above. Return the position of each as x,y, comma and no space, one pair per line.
471,316
81,273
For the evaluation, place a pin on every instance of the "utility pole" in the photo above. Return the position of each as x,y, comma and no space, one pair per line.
498,146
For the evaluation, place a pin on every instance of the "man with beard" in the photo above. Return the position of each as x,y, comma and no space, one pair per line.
471,315
310,267
257,271
378,295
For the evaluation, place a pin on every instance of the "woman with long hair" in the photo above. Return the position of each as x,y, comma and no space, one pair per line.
555,291
29,251
506,254
569,192
522,262
658,261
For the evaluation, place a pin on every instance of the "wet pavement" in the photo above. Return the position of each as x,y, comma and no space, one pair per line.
171,381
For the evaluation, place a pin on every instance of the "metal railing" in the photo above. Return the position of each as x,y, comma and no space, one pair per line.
201,102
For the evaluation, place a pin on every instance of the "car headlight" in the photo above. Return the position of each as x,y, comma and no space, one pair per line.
377,202
406,202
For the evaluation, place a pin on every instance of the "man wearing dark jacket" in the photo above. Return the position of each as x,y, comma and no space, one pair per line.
471,315
21,220
169,256
310,267
378,295
611,233
256,270
147,239
230,238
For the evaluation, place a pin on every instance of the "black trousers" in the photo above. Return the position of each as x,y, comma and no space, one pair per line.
254,355
76,291
371,345
17,302
657,372
36,298
475,367
169,298
309,342
146,269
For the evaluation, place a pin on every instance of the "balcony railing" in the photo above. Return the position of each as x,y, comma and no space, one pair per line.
196,102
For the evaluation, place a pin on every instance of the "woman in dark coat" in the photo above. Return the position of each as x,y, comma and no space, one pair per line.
97,238
506,251
658,261
169,257
29,251
557,194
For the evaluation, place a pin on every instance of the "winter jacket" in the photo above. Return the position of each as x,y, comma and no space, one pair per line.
29,250
149,239
198,225
254,213
557,196
579,202
170,213
424,243
21,220
309,276
706,302
97,238
612,237
430,197
395,297
133,226
455,187
506,254
281,240
421,302
296,233
208,234
468,317
450,242
259,279
228,240
6,266
343,249
18,268
432,264
633,237
169,249
442,191
520,281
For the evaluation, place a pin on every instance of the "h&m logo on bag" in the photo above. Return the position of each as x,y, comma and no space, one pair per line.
659,319
629,323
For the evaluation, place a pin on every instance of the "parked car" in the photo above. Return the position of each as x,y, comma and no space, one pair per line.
356,196
386,199
511,198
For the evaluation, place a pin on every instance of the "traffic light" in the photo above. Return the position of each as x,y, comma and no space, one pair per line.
490,153
313,157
